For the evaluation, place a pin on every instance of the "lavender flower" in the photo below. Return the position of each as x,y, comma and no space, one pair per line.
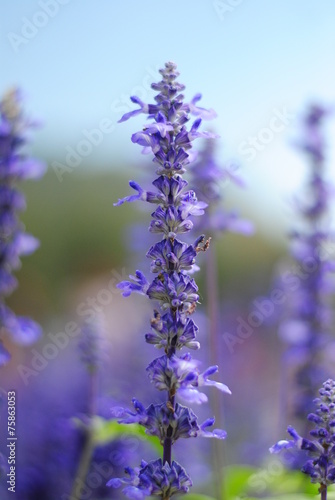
14,242
154,479
321,449
173,289
308,320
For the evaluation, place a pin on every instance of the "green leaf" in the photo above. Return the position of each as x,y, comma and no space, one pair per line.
236,480
105,431
292,482
274,479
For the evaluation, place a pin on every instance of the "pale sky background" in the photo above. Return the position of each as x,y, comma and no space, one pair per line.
79,61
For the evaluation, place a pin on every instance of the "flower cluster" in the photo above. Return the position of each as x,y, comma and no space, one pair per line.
175,292
321,449
309,316
14,242
154,479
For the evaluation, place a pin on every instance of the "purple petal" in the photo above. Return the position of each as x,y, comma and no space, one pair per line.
281,445
217,433
135,493
27,168
192,395
25,331
294,332
140,196
139,284
26,243
144,108
206,114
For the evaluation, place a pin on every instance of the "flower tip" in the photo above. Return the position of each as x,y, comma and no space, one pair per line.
220,434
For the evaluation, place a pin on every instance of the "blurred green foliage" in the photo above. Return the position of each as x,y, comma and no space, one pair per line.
82,234
105,431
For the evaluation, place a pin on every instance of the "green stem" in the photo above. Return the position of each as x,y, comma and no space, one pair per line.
88,448
84,464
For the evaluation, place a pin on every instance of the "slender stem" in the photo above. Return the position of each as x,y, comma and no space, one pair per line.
84,464
283,393
167,450
93,395
167,447
323,491
88,447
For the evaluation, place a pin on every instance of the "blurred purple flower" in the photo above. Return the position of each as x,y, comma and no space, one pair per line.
208,180
306,320
14,242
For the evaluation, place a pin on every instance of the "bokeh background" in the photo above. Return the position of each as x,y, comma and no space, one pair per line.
77,64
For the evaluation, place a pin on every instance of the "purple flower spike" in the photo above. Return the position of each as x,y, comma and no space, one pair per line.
321,468
174,291
14,242
307,318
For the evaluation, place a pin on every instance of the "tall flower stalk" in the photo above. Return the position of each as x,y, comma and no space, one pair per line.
14,242
306,327
173,290
90,357
321,448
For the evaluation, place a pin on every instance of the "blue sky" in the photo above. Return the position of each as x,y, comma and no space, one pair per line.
79,61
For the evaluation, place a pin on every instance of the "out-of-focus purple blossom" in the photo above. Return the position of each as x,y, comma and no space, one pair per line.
313,142
307,318
321,449
89,346
14,242
207,179
173,289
